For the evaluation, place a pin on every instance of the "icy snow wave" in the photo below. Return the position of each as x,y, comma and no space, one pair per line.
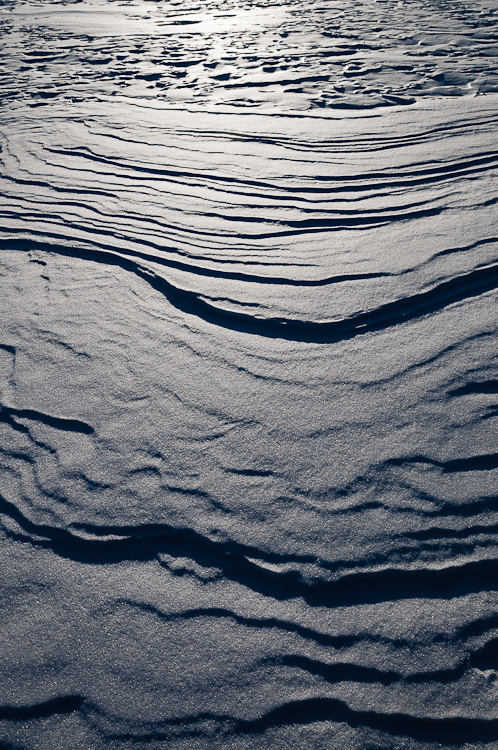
452,731
239,563
240,251
380,620
463,287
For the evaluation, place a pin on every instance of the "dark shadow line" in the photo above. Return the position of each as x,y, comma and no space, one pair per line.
484,462
65,705
484,386
146,542
456,731
58,423
463,287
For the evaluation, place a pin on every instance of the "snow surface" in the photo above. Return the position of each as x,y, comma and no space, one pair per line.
248,375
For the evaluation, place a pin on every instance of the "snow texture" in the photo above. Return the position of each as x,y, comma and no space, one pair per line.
248,375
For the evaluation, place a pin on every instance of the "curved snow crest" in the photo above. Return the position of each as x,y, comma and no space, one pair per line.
281,255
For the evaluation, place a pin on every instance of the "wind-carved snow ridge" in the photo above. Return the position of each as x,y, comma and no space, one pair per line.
239,251
248,376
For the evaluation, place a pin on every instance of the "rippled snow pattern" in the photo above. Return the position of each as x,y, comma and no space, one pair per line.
248,376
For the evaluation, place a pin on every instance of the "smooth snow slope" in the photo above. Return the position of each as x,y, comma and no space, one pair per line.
248,375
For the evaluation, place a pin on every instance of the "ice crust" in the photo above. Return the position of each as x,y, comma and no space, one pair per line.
248,376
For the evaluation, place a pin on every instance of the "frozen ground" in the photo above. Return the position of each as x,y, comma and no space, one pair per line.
248,376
